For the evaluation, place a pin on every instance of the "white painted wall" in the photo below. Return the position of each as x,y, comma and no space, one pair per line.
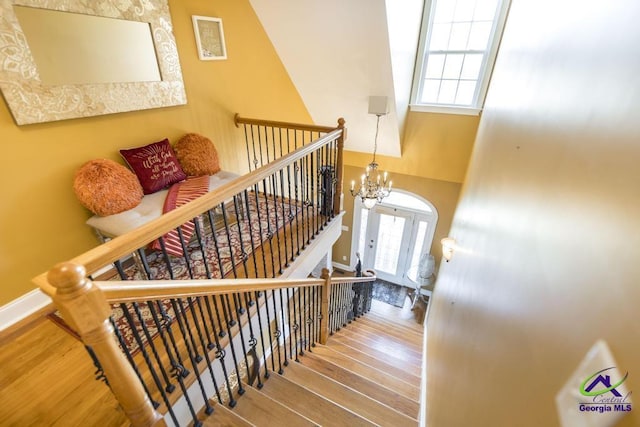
338,54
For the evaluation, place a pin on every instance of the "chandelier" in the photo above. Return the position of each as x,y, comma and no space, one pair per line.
373,187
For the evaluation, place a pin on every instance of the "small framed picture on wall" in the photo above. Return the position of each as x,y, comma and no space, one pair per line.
209,38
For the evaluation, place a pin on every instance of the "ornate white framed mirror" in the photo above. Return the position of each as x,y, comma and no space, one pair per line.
65,59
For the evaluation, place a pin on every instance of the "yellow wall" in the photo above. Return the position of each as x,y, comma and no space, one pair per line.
548,223
435,154
435,146
42,223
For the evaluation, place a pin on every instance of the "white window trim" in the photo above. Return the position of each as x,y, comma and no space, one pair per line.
489,61
446,109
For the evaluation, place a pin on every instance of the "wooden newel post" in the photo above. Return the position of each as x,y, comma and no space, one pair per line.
339,166
326,288
85,309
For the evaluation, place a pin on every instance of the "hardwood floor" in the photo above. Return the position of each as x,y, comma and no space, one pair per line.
47,377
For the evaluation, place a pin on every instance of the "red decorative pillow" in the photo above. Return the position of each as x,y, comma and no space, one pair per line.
197,155
106,187
155,165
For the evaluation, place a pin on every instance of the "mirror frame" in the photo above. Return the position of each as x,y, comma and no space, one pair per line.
30,101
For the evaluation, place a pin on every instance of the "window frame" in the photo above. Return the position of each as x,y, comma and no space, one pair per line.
485,72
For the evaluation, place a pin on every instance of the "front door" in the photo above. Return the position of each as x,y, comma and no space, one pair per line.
395,240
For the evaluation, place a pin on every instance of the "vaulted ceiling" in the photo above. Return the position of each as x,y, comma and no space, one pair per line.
338,53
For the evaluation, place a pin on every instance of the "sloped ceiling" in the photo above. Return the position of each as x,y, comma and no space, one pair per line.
338,53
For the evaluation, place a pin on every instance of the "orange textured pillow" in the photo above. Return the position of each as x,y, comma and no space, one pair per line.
106,187
197,155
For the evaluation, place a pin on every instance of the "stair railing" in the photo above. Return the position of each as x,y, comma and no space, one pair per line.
280,206
156,329
195,348
267,140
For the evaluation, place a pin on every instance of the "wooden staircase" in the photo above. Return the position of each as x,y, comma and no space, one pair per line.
368,373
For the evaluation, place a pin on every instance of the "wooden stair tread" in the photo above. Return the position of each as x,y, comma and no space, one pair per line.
414,347
411,326
369,372
374,411
389,358
311,405
225,417
392,329
381,344
394,314
394,370
260,409
365,386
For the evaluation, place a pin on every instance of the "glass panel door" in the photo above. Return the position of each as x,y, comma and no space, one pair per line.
389,243
388,235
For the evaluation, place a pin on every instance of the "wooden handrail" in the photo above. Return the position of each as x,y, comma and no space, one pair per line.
276,124
137,290
123,245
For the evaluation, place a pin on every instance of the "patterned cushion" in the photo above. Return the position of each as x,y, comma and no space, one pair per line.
155,165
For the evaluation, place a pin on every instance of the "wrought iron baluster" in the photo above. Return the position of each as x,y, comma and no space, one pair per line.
163,324
282,330
296,325
269,332
264,348
232,347
314,315
129,356
275,208
336,190
244,196
291,331
178,309
253,342
189,333
206,346
145,354
232,259
308,312
346,302
327,180
300,321
310,196
166,323
202,246
168,386
211,216
220,355
165,257
253,144
185,253
260,147
277,332
142,257
246,143
269,234
244,256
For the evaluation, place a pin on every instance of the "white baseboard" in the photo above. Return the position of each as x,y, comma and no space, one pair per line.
22,307
342,266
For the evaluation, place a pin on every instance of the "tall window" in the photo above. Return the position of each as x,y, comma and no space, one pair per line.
458,46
